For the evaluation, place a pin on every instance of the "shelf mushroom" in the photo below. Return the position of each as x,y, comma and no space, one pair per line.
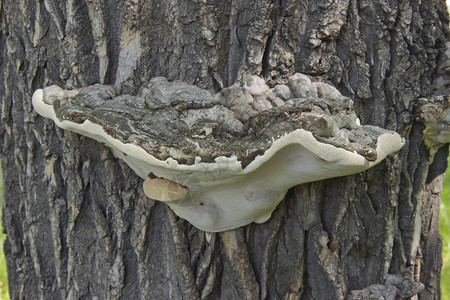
223,161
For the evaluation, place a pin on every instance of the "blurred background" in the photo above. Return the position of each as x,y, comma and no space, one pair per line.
444,229
3,274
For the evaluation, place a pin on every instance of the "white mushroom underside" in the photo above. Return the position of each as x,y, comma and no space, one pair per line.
223,195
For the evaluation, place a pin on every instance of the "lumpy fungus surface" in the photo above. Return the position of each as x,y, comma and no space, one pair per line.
223,161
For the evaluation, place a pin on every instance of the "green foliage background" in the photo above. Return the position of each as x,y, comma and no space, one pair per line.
444,229
3,274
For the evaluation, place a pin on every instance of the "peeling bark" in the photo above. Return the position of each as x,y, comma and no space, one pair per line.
78,223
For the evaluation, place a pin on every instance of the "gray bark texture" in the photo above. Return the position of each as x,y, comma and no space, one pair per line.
77,221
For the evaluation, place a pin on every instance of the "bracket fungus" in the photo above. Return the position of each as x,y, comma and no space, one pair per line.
223,161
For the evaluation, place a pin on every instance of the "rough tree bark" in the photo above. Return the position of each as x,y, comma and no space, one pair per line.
78,224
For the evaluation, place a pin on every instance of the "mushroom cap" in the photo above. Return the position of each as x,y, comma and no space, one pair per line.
215,167
164,190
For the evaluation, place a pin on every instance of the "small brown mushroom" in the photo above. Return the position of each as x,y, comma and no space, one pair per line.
164,190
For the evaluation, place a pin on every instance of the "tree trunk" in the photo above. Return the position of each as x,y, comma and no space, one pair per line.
78,223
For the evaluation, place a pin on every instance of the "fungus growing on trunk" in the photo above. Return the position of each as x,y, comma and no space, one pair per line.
223,161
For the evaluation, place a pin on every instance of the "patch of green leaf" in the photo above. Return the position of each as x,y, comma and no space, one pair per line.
3,271
444,229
